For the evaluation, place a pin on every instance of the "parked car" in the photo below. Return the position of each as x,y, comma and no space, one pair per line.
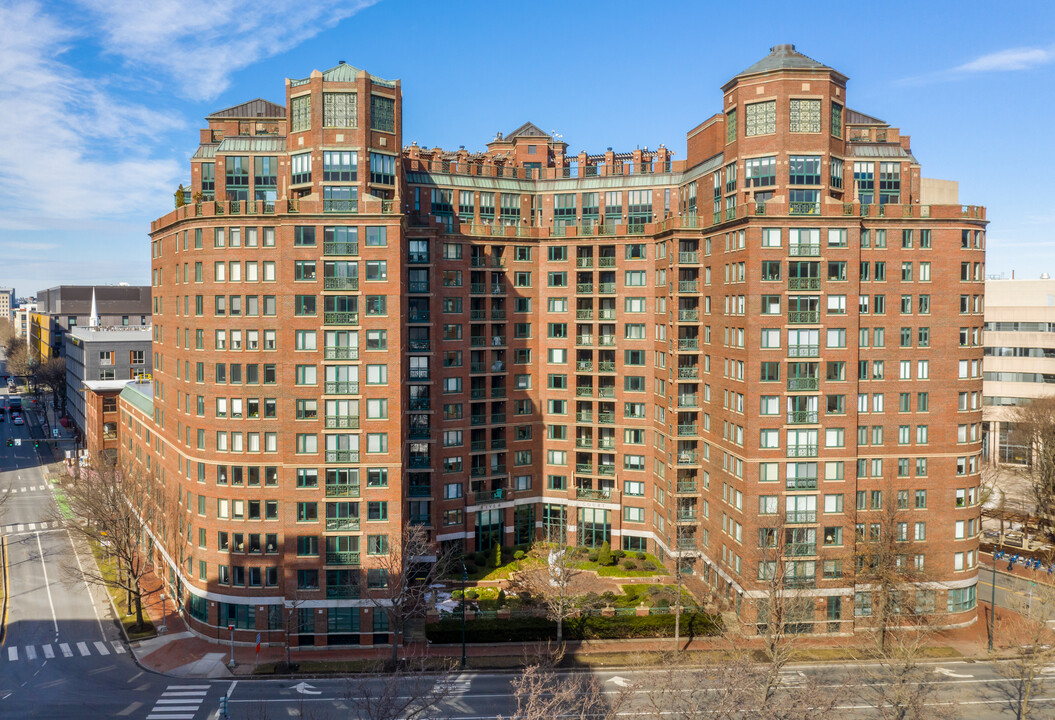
1014,538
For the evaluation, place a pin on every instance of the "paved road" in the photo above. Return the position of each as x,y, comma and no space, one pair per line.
63,656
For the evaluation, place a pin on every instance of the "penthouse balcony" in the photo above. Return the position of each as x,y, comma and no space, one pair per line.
591,494
689,257
804,250
692,315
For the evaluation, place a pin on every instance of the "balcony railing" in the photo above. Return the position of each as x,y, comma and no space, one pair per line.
340,248
606,262
688,257
688,315
340,318
688,286
584,288
803,383
584,365
339,524
687,457
342,490
606,418
606,392
800,317
419,491
802,450
802,483
800,516
584,468
687,430
585,443
348,557
606,288
606,314
341,353
686,515
606,469
340,283
804,250
691,371
420,433
418,316
584,314
686,486
342,422
342,387
419,461
802,417
584,262
584,417
688,401
491,495
419,346
584,392
586,340
804,351
606,443
688,343
478,288
420,403
606,366
591,494
804,283
342,592
342,456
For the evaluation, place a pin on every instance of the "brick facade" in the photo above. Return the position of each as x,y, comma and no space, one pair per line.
618,346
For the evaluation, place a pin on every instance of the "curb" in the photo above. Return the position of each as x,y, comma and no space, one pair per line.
3,571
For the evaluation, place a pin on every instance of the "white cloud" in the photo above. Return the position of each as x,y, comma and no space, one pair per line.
198,44
68,148
1008,60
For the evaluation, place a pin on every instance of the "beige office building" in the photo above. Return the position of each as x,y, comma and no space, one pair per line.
1019,363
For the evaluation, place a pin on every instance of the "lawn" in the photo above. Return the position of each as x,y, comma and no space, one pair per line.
120,600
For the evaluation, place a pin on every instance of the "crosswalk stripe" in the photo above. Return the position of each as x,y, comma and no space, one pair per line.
82,648
118,647
65,648
181,697
179,701
12,653
48,652
31,652
166,716
32,526
103,650
188,687
21,528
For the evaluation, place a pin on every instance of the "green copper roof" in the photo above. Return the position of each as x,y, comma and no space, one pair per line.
141,395
344,72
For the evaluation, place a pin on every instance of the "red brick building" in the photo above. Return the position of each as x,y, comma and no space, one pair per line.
670,356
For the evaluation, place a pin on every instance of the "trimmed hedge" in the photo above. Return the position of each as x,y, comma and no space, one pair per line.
590,627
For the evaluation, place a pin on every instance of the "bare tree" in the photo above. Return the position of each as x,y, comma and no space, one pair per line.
1027,631
548,573
108,507
19,360
414,691
7,333
52,374
542,693
1034,425
408,570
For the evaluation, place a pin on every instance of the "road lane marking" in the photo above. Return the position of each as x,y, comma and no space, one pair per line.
82,648
65,648
48,652
47,585
31,652
87,588
103,650
12,653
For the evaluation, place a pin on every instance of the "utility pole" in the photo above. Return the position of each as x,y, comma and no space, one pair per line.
992,606
465,579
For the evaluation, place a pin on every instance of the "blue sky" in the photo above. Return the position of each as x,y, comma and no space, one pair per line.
101,100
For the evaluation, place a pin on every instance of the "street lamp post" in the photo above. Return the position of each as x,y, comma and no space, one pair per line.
992,606
164,616
465,579
231,663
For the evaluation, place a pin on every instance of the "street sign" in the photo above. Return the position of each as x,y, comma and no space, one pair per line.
54,432
18,441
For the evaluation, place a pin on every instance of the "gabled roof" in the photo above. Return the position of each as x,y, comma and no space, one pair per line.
528,129
258,108
785,57
853,117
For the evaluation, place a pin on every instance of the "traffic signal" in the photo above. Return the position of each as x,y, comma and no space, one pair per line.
36,443
10,442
